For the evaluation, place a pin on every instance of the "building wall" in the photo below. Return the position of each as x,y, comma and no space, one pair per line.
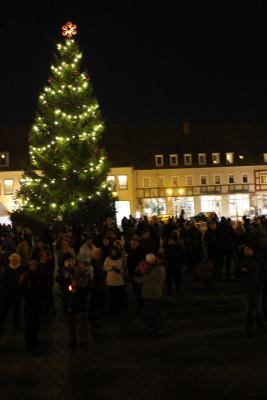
127,194
230,199
135,194
7,200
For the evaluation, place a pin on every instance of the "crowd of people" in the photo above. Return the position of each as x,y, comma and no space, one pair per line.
96,268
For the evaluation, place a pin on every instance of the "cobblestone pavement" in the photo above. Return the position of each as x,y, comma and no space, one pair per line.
204,356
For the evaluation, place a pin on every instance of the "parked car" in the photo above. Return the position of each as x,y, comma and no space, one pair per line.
204,216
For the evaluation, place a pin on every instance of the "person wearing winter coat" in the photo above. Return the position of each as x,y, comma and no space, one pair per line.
11,298
135,256
152,284
86,250
78,292
175,259
46,268
115,282
253,277
24,250
30,286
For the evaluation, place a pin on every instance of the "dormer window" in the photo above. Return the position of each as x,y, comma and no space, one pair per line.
188,159
202,159
265,157
173,159
229,158
159,160
215,158
4,159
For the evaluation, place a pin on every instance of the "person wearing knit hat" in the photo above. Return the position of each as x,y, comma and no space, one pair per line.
152,284
146,264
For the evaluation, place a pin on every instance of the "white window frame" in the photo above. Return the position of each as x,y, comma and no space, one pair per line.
163,181
214,156
263,173
231,156
204,155
122,187
206,179
189,177
159,160
111,181
215,183
175,177
231,183
175,161
4,156
8,192
190,157
242,178
144,179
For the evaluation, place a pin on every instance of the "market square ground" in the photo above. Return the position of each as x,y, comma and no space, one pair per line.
205,355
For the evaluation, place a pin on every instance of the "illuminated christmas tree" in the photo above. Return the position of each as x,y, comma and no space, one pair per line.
67,177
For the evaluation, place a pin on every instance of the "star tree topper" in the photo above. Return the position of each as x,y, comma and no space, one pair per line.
69,29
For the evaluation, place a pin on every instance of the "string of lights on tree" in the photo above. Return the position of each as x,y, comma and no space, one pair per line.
67,166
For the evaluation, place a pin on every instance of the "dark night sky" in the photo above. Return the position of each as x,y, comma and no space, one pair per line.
150,64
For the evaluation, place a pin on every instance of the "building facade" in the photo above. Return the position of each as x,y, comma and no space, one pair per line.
191,172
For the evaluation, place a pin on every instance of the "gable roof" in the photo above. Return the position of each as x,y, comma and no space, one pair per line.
141,144
137,146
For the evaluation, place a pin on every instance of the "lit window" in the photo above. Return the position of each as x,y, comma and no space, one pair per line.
241,157
8,186
159,160
187,159
189,180
229,158
175,181
161,181
123,181
111,181
231,178
215,158
244,178
173,159
202,159
4,159
265,157
263,177
146,182
203,179
217,179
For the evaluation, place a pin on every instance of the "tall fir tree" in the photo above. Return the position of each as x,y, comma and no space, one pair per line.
66,179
